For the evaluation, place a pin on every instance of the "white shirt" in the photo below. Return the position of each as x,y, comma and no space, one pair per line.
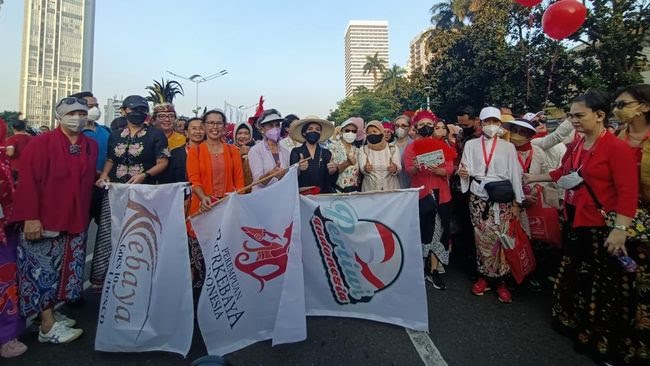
504,165
380,179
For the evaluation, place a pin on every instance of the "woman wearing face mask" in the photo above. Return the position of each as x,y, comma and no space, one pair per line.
632,108
345,155
592,291
435,198
244,141
319,171
389,132
491,160
402,127
379,162
137,154
267,159
52,201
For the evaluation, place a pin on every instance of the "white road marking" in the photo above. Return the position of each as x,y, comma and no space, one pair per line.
426,349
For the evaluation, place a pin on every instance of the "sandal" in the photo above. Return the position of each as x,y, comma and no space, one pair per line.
13,348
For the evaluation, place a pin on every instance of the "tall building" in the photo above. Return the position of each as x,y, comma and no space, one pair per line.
419,56
112,109
363,38
57,58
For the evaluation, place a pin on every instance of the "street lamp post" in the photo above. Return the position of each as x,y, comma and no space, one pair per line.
428,89
198,79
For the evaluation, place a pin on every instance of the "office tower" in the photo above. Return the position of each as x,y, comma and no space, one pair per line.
363,38
57,55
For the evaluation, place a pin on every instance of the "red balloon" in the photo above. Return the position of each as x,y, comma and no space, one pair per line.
528,3
563,18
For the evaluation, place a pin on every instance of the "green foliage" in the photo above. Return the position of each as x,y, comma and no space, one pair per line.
374,65
10,117
164,91
493,52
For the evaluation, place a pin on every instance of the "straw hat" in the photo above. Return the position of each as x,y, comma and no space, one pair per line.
295,130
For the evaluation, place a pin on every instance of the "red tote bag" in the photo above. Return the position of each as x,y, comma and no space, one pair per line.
521,257
544,221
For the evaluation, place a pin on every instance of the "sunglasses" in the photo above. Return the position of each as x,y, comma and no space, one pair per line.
71,101
348,130
622,103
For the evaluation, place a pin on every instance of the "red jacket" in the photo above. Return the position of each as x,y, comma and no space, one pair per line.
610,170
55,187
427,178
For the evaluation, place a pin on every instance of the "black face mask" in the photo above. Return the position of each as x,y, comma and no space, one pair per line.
425,131
312,137
468,131
375,139
136,117
392,138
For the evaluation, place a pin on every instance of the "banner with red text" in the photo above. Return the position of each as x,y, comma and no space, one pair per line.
362,257
146,302
254,288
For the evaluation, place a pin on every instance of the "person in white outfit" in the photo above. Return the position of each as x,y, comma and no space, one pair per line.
379,162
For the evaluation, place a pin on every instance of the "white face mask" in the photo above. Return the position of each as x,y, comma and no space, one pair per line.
349,137
73,123
492,130
401,132
569,181
94,114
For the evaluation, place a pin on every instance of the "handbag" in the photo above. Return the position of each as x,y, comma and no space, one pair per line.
518,252
544,221
639,228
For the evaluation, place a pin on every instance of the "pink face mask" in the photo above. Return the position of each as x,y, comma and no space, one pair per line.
273,134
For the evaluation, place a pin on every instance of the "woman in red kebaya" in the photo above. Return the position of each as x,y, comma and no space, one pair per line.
592,291
436,195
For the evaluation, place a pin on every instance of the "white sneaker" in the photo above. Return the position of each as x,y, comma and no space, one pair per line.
59,334
61,318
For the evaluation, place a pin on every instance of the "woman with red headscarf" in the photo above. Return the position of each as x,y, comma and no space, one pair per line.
11,324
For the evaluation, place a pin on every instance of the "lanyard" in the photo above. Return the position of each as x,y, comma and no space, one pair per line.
525,165
488,159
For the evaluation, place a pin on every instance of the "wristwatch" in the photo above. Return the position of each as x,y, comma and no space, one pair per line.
620,227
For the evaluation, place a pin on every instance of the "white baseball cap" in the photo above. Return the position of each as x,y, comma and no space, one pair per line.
490,112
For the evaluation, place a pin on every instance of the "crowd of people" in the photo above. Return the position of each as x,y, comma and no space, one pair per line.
480,174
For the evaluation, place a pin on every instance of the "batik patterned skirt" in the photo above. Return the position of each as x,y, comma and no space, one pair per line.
490,256
50,271
11,323
593,298
197,263
639,347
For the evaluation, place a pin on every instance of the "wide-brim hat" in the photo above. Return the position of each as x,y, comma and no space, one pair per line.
295,130
519,122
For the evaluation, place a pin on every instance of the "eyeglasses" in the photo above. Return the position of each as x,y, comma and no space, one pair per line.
402,126
349,130
165,116
622,103
214,124
71,101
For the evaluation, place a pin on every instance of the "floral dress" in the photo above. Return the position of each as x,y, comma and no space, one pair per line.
133,155
350,176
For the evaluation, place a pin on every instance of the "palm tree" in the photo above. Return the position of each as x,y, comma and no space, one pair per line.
392,75
374,65
454,13
164,91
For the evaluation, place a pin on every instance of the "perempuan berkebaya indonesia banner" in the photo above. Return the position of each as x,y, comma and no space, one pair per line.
272,257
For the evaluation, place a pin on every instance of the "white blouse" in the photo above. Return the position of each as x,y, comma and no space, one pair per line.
504,165
379,179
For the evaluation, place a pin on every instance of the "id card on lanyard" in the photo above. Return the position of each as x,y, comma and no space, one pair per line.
488,159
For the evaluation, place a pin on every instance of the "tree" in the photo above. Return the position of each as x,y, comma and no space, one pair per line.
454,13
164,91
393,75
374,65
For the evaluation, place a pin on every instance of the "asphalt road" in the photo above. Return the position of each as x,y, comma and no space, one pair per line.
467,330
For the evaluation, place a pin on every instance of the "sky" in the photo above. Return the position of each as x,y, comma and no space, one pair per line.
289,51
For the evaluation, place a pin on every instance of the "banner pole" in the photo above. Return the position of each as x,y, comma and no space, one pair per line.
259,181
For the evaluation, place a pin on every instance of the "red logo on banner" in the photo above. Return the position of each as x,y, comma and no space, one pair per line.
270,257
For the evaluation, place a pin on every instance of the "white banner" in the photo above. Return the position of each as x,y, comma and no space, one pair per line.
362,257
254,288
147,298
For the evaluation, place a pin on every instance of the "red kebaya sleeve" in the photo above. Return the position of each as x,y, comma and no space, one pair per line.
26,203
624,171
